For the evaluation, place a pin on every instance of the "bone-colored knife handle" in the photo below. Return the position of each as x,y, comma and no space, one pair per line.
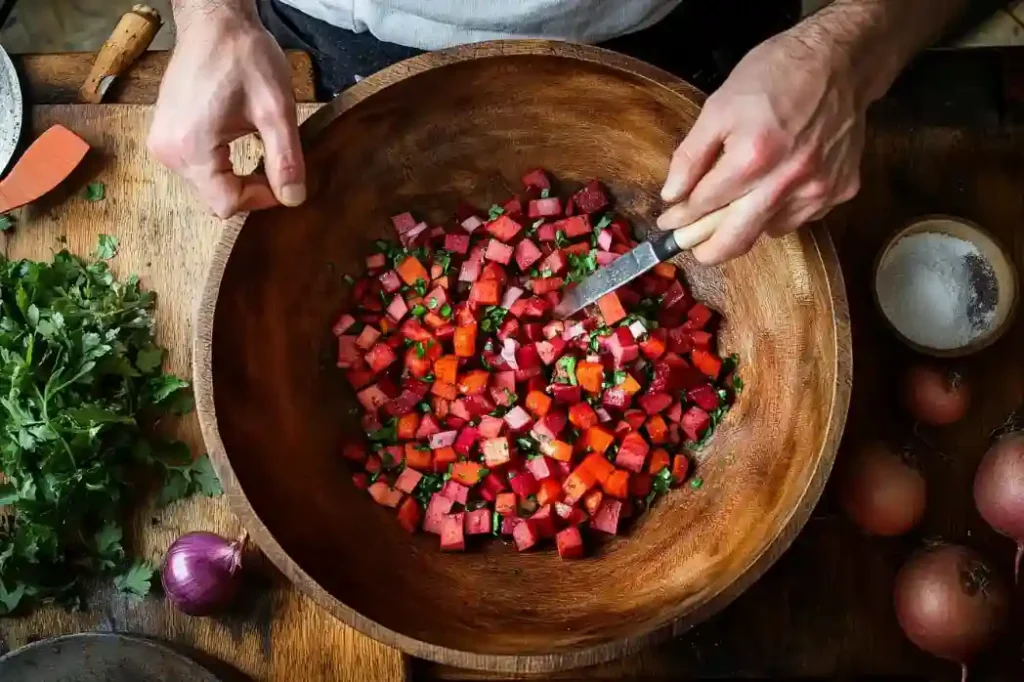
698,232
131,37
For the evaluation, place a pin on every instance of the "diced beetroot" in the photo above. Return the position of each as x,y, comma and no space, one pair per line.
705,396
518,419
397,309
491,427
496,452
478,522
632,452
653,403
428,427
504,228
576,226
478,405
679,340
408,480
700,315
525,535
391,281
550,426
701,340
513,207
676,295
523,484
471,224
544,521
569,542
466,439
537,178
384,495
407,239
348,352
444,439
545,208
554,330
695,422
455,491
623,347
528,361
604,240
498,252
527,254
511,295
453,538
591,198
509,523
566,394
549,351
541,467
403,222
343,324
615,399
456,243
554,264
533,331
470,271
372,398
546,232
368,337
376,261
606,258
606,519
404,404
675,412
493,483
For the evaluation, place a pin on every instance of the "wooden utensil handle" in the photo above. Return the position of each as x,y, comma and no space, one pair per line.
670,244
131,37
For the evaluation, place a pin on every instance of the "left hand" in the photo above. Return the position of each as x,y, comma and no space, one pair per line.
785,133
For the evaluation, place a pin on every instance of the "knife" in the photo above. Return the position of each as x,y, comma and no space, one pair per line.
629,266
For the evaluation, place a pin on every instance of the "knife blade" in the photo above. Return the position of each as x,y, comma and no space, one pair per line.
629,266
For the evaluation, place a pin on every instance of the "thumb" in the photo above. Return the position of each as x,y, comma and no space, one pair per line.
693,158
282,159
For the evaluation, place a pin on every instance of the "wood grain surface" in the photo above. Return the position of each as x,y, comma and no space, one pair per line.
264,351
56,78
168,239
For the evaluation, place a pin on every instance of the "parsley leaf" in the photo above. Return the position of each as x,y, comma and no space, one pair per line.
135,582
95,191
495,211
6,221
565,370
107,247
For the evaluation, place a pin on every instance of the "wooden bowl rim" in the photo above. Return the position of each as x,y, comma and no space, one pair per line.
509,663
915,226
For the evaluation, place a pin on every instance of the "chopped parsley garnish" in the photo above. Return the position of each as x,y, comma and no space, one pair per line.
418,310
6,221
95,191
421,350
446,311
428,485
604,222
737,384
432,303
420,287
581,267
565,370
545,193
660,485
423,407
495,211
560,239
386,434
697,483
495,523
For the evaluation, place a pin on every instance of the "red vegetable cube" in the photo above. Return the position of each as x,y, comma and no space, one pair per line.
410,514
549,351
591,198
470,271
537,178
518,419
582,416
385,495
706,397
544,208
456,243
390,281
623,347
611,308
550,426
543,521
380,356
453,537
708,363
653,403
403,222
576,226
606,519
437,511
504,228
491,427
486,292
524,484
541,467
456,492
632,452
428,427
566,394
699,315
524,535
527,254
466,439
408,480
372,398
554,264
348,352
695,422
498,252
478,521
569,543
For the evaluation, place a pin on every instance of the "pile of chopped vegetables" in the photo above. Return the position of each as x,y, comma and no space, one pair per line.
487,416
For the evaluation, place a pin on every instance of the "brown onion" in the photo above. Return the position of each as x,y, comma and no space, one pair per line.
950,603
934,396
999,490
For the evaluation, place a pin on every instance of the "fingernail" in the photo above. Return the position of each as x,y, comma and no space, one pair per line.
663,223
670,192
293,195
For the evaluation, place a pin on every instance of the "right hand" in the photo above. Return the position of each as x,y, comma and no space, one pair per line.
228,77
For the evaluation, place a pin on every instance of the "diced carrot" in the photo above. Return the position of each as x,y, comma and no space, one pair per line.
486,292
617,484
446,369
592,501
558,450
411,269
474,383
410,514
680,467
444,457
708,363
582,416
407,425
418,456
577,484
505,504
630,385
611,308
465,341
538,403
468,473
600,467
434,321
590,375
666,270
385,326
657,429
549,492
443,389
597,439
659,460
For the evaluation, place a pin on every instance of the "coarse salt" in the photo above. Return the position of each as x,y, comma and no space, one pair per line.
938,291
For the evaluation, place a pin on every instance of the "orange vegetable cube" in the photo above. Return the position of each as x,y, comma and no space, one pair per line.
418,456
538,403
465,341
442,389
411,269
474,383
577,484
680,467
600,467
505,504
611,308
468,473
617,484
443,457
630,385
407,425
659,460
657,429
597,439
590,375
446,369
486,292
666,270
549,492
557,450
592,501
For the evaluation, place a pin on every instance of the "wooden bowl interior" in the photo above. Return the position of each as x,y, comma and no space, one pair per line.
1002,266
282,411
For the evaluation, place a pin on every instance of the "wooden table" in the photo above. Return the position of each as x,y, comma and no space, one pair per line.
824,611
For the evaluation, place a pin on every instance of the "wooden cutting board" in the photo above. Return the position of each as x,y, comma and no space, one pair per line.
167,238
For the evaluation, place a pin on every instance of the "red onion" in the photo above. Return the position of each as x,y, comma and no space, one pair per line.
999,490
201,572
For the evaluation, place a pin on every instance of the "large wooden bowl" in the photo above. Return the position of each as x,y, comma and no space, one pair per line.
274,411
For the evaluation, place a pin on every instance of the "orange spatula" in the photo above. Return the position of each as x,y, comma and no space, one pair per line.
43,166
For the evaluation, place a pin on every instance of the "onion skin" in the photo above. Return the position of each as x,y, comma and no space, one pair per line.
999,491
949,603
201,572
934,396
881,491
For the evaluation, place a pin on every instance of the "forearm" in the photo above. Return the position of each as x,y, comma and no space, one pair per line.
187,12
873,40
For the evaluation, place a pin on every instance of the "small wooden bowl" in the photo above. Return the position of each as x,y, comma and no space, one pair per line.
467,123
1002,265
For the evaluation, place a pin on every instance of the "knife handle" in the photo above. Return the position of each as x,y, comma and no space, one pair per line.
670,244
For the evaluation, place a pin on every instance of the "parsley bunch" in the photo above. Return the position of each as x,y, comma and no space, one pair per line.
80,386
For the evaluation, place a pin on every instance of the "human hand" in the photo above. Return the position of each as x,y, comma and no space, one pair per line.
781,140
227,78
